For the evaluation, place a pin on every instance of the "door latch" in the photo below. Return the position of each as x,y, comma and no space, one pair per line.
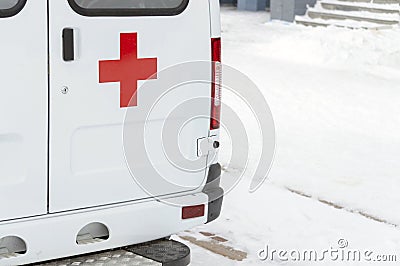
207,145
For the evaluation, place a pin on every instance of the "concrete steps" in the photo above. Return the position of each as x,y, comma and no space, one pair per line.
340,23
373,1
352,14
349,6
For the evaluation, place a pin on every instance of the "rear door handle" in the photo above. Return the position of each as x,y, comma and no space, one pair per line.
68,44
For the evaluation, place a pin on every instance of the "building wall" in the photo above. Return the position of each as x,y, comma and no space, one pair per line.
235,2
228,2
286,10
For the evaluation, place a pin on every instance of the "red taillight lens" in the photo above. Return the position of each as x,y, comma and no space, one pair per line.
216,83
193,211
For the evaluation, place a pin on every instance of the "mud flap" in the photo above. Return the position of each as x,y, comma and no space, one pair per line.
215,192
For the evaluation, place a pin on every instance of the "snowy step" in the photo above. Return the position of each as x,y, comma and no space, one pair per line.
387,19
369,7
374,1
307,21
386,1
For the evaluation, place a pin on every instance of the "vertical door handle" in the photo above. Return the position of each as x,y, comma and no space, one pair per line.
68,44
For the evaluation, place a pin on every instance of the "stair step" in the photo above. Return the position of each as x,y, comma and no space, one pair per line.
357,16
373,8
306,21
374,1
386,2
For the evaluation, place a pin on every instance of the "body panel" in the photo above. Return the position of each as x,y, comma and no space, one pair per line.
23,108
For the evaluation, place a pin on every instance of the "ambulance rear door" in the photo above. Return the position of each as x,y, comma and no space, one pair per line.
100,52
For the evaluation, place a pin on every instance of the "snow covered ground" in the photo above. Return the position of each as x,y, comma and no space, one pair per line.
335,96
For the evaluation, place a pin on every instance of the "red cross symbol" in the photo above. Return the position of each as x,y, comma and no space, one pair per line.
128,69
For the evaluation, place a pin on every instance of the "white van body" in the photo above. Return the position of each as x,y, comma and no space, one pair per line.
63,174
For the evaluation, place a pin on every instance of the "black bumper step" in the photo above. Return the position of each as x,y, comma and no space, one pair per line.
167,252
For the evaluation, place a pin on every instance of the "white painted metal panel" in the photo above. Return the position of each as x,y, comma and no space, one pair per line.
215,16
23,109
87,164
53,236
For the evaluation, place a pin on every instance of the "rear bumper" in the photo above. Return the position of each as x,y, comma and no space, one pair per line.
214,192
53,236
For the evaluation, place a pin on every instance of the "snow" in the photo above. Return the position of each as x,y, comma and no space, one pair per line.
335,96
389,7
342,23
356,14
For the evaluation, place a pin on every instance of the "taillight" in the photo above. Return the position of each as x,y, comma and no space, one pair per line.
216,83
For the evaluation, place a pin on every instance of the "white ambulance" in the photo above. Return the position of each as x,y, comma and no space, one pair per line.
70,70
